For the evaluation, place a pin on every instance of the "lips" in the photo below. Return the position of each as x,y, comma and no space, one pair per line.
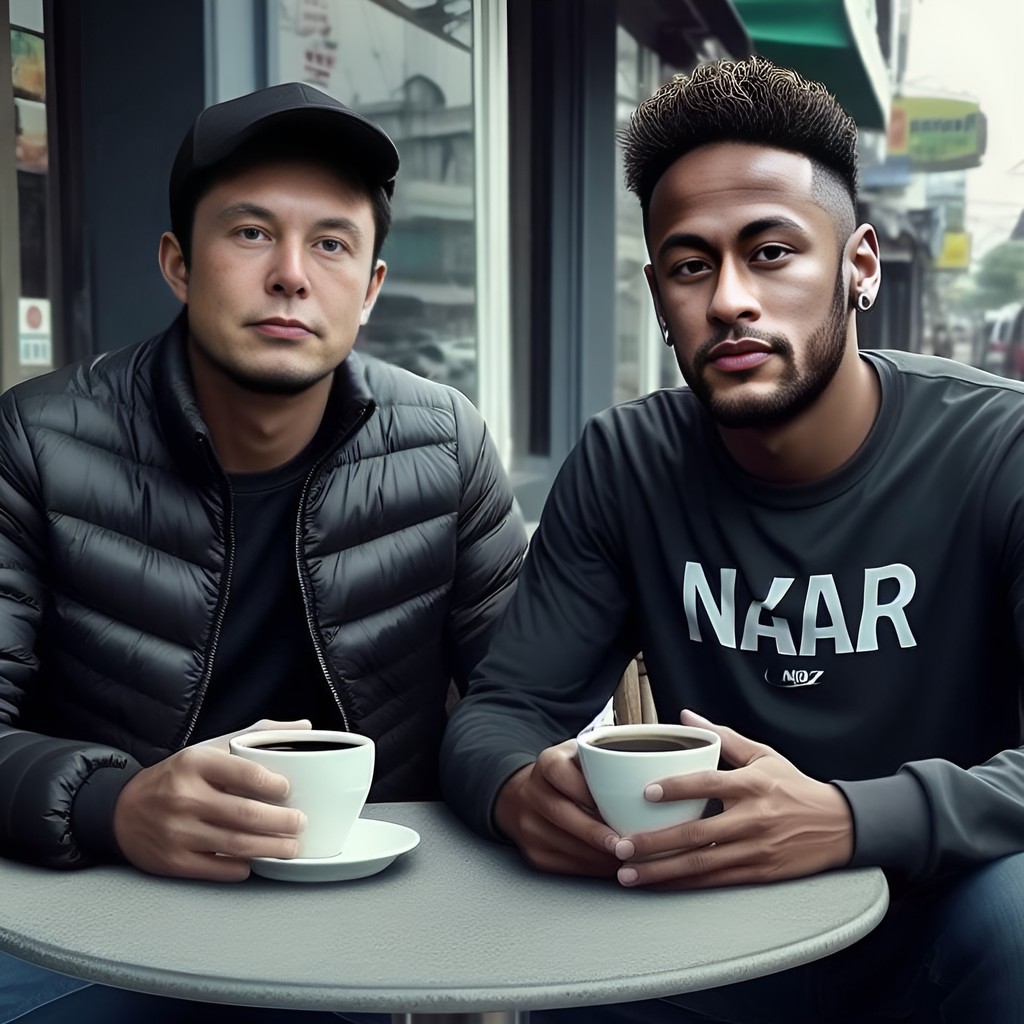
278,327
735,356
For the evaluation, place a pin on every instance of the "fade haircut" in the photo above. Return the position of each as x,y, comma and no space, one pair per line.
752,101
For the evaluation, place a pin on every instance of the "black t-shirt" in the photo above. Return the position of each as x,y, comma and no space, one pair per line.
265,665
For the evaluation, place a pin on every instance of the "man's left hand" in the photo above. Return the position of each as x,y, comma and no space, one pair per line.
775,823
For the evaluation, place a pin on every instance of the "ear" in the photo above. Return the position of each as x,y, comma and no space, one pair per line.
652,283
862,254
172,266
373,290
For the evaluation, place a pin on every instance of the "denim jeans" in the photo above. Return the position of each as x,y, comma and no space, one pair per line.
24,987
32,995
952,954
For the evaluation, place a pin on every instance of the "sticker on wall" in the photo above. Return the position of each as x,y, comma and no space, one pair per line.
34,344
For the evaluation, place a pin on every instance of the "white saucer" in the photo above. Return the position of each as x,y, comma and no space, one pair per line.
371,846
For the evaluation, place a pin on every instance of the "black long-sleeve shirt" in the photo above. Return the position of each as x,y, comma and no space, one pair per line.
869,625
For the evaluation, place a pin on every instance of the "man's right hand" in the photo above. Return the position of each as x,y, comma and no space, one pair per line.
202,813
547,811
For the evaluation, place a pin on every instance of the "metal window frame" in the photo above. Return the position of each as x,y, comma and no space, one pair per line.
492,221
651,343
236,44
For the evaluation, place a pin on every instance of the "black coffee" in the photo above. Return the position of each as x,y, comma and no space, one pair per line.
649,744
304,746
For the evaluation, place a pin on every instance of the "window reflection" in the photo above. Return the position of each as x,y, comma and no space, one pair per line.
642,362
28,80
407,64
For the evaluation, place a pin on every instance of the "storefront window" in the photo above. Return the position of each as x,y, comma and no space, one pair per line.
409,67
642,362
28,81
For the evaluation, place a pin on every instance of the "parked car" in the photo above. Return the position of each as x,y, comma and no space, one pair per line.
426,352
1004,341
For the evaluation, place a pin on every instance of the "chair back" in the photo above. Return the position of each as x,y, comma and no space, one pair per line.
632,702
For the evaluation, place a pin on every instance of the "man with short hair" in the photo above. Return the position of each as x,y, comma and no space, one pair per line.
820,552
239,520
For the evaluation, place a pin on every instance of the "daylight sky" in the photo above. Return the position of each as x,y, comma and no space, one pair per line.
975,49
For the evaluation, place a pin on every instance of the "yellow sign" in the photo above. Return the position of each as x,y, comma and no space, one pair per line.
956,251
937,134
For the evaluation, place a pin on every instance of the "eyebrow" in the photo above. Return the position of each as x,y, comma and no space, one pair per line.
687,240
262,213
245,210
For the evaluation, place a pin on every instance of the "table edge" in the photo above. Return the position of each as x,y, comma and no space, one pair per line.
244,992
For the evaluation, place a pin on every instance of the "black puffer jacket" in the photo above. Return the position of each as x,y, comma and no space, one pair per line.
115,545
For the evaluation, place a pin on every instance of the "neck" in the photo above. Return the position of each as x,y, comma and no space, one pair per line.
819,440
252,432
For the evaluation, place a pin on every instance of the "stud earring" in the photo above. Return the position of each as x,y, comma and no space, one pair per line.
665,333
864,302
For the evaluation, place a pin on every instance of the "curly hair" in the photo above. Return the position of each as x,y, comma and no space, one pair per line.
751,100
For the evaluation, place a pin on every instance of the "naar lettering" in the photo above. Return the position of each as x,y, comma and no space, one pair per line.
821,601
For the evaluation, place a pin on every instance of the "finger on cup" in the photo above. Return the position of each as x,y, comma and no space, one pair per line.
619,762
329,775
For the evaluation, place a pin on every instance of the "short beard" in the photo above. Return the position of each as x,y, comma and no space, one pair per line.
795,392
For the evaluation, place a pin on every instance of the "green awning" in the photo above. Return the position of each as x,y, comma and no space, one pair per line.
833,41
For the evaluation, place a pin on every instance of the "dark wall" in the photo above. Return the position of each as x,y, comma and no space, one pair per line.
129,79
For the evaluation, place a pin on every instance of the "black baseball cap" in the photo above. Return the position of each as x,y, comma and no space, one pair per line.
294,110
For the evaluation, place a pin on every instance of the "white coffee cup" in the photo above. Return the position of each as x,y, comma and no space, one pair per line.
617,778
329,775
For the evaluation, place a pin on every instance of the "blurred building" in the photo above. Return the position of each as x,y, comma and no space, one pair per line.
914,191
515,262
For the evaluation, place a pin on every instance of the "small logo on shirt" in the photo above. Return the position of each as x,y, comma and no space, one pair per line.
794,677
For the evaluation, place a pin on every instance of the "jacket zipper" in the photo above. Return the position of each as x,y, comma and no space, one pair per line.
218,621
303,574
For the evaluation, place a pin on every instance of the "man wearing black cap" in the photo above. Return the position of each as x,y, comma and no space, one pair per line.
237,521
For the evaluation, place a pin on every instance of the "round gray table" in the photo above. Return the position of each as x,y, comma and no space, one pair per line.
459,926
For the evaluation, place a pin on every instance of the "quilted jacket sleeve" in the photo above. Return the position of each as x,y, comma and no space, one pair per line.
40,776
491,544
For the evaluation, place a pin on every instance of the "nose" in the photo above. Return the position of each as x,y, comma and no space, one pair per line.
733,299
287,274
